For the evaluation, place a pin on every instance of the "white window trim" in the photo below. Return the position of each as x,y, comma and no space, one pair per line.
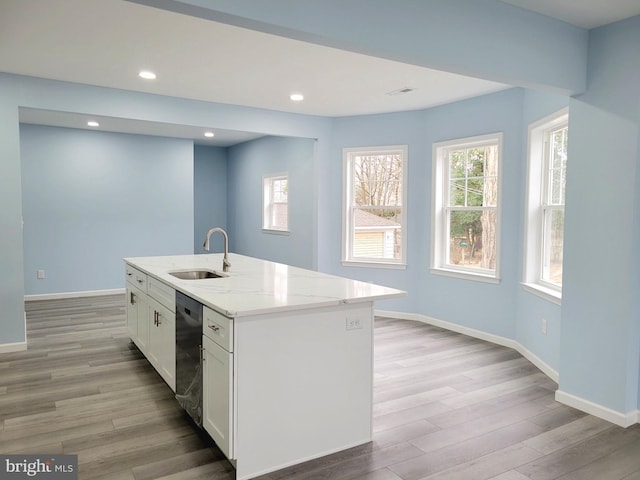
532,281
346,217
267,184
438,219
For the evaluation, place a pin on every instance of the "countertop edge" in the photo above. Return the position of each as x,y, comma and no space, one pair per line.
329,302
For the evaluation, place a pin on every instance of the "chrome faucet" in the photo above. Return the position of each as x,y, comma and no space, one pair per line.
225,260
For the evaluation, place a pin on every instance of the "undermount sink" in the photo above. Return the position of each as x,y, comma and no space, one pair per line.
196,274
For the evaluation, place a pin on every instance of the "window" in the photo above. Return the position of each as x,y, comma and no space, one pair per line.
374,200
546,180
275,217
466,207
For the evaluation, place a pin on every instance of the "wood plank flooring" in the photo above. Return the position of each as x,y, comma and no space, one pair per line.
446,407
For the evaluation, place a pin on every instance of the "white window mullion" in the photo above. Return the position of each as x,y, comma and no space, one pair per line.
545,206
374,225
466,237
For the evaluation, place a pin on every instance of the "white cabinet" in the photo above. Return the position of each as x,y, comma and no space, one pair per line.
137,308
151,322
138,317
161,351
217,400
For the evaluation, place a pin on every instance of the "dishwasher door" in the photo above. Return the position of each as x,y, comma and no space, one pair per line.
189,355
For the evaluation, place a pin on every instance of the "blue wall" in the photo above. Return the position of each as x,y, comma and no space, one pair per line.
531,308
600,331
210,195
91,198
521,48
478,305
247,164
20,91
12,323
599,343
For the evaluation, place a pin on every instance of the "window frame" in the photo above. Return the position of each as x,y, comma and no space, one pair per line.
348,156
440,234
535,206
267,203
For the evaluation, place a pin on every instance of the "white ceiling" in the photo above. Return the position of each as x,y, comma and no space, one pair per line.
106,43
582,13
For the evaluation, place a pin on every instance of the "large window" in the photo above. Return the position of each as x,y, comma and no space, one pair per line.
374,199
275,216
466,203
548,140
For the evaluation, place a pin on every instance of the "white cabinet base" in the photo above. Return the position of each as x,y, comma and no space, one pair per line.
303,386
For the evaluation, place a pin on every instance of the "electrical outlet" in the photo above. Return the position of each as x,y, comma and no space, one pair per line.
354,323
543,326
40,274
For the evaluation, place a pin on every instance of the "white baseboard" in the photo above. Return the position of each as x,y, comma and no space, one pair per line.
17,346
472,332
13,347
58,296
622,419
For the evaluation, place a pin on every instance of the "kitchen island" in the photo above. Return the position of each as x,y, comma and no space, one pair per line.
288,353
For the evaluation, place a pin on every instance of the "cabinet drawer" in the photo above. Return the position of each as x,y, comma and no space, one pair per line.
136,277
162,292
218,328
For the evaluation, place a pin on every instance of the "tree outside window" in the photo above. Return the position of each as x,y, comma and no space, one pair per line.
544,227
465,206
375,198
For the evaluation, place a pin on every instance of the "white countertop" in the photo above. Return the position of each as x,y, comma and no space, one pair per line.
255,286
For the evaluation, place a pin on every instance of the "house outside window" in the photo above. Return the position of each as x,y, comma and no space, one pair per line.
275,216
374,218
546,181
466,208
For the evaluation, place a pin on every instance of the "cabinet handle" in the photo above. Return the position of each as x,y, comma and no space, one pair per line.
215,328
132,298
140,281
155,318
129,274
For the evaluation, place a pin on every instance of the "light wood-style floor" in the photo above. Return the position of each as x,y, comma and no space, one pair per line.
446,407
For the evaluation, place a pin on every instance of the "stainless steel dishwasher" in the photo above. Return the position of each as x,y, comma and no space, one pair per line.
189,355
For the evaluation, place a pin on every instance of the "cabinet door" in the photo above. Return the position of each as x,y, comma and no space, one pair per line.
137,317
217,404
132,312
162,341
143,322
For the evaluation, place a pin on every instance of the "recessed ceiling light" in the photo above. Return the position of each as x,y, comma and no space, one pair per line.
296,97
147,75
93,123
208,134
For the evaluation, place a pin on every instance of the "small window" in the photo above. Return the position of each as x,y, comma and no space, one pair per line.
374,206
548,142
466,203
275,203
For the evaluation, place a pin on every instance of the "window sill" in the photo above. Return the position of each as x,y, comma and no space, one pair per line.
543,292
275,232
373,264
476,277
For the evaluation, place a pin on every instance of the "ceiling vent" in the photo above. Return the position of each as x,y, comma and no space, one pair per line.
401,91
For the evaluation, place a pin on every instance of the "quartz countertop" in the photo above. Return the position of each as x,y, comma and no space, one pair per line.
255,286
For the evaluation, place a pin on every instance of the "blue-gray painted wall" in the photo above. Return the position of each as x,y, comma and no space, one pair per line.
597,355
600,317
209,195
91,198
247,164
